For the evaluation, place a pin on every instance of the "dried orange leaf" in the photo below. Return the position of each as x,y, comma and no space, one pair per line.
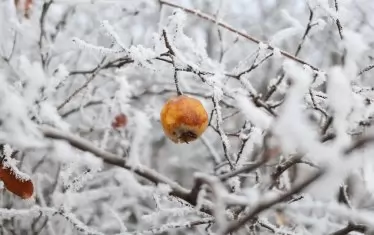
16,182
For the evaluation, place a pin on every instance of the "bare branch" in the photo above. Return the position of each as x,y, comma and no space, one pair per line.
171,54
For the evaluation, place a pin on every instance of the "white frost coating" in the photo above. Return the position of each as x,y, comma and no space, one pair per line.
93,162
11,165
118,218
323,7
247,85
296,134
277,53
62,72
104,140
291,125
8,17
284,181
276,229
48,113
138,145
295,29
19,213
176,21
252,113
79,181
123,93
63,152
234,183
263,46
212,150
173,225
282,87
217,93
360,215
178,213
283,35
33,76
262,49
220,196
368,175
291,20
66,171
79,225
253,195
129,181
17,129
201,198
141,54
8,150
339,94
147,83
217,96
319,24
234,199
112,33
320,79
254,138
84,45
355,46
164,189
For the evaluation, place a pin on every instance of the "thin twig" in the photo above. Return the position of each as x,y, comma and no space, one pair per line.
245,169
225,143
255,65
77,91
273,88
338,24
230,28
364,70
306,32
171,54
45,8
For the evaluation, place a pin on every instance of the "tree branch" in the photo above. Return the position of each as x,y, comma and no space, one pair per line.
263,205
350,228
230,28
110,158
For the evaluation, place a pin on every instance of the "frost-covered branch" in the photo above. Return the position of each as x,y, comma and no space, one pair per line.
266,204
366,69
171,54
338,24
83,84
228,27
42,36
351,228
112,159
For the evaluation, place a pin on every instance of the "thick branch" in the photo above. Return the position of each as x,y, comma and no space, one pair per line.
350,228
263,205
110,158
